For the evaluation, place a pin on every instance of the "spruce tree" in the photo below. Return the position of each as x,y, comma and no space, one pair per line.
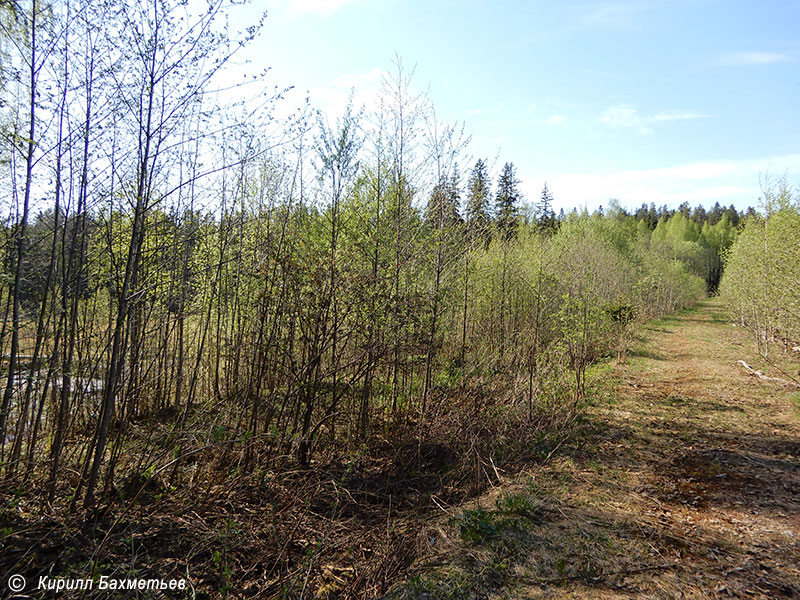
478,211
545,215
715,214
507,203
652,216
442,209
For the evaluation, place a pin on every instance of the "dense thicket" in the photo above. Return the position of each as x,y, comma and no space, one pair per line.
183,281
766,255
193,292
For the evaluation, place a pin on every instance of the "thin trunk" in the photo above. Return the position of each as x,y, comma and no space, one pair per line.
503,304
467,256
118,353
21,235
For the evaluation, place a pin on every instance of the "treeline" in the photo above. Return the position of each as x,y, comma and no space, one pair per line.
700,244
761,284
699,215
200,294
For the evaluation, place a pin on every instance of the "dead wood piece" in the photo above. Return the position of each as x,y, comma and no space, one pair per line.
761,375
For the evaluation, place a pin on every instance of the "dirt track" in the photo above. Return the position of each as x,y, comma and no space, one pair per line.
686,484
704,460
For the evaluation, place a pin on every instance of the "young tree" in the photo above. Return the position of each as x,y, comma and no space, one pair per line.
405,110
24,144
444,221
478,224
507,211
337,149
166,76
545,215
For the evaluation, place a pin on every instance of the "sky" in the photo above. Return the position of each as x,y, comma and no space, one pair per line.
664,102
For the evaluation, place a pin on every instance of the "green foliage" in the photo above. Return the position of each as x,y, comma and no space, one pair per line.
441,212
313,293
545,215
219,433
621,313
475,526
761,281
507,202
478,209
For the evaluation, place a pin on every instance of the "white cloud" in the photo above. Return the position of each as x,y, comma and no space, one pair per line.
677,115
556,120
703,182
753,58
626,116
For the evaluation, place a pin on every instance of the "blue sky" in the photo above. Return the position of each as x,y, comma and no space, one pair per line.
665,102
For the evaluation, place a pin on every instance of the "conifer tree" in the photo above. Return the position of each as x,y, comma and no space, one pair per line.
507,203
507,210
545,215
478,198
442,209
715,214
652,216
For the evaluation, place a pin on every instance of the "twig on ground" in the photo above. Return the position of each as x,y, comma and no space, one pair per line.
761,375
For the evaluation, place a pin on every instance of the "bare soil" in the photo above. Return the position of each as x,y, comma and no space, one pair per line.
683,483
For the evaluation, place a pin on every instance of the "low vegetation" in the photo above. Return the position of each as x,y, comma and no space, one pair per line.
258,352
679,484
766,255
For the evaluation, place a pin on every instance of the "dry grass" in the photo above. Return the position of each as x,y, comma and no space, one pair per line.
681,482
344,528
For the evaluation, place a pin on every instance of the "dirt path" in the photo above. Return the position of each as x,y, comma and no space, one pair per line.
709,459
687,485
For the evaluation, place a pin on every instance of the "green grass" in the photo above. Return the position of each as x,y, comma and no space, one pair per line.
520,504
796,403
475,526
